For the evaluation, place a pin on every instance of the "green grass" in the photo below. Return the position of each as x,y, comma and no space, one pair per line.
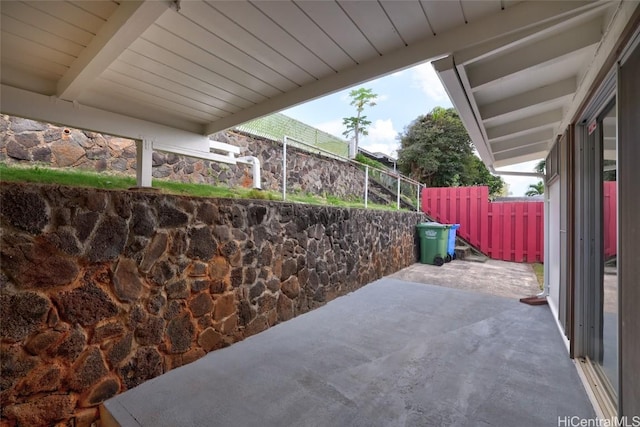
538,269
109,181
367,161
74,178
81,178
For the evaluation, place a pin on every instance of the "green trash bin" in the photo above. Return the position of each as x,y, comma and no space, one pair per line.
434,240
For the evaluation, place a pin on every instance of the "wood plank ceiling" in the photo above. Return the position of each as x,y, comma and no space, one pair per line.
203,66
205,60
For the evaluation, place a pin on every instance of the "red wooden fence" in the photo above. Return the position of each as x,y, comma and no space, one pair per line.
510,231
610,218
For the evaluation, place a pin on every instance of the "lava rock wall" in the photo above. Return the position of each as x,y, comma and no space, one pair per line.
103,290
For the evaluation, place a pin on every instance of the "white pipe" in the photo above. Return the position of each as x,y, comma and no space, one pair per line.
515,173
284,168
255,163
229,158
398,196
366,186
418,200
198,154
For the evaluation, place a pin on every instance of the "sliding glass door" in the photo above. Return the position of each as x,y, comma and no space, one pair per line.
597,245
606,355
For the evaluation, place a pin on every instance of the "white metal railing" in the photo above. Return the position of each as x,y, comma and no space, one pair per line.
382,177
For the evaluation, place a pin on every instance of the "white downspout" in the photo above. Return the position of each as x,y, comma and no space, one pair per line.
398,195
284,168
366,186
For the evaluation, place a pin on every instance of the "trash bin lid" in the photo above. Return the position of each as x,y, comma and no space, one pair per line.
432,225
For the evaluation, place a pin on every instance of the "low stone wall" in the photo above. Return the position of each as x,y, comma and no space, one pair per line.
27,141
103,290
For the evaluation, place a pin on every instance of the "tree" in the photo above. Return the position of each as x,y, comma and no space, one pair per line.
356,126
535,189
540,166
436,150
478,174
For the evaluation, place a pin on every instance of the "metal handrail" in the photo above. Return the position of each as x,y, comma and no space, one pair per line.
393,174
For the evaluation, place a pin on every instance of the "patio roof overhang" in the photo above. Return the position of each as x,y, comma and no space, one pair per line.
517,93
175,72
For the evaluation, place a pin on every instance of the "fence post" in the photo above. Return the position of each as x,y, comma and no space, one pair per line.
398,195
284,168
366,186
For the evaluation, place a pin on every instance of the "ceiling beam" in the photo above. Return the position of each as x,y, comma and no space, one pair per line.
535,54
523,154
542,120
30,105
127,24
522,15
543,135
471,54
536,97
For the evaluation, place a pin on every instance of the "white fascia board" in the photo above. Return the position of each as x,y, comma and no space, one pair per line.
448,74
522,15
23,103
538,96
126,24
536,54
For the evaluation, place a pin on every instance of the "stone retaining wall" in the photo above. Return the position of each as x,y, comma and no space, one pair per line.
27,141
103,290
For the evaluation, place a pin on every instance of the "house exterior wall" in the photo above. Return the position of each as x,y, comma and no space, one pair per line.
601,224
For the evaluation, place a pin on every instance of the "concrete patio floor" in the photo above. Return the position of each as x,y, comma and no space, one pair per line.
394,353
500,278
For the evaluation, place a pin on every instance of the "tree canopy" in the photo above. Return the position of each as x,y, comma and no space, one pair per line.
535,189
435,149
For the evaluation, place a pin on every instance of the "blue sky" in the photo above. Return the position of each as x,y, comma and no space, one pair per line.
402,97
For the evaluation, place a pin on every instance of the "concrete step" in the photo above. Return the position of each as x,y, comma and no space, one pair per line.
476,258
462,251
467,253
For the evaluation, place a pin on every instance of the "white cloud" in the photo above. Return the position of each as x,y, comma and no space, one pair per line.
334,127
381,138
425,78
518,185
